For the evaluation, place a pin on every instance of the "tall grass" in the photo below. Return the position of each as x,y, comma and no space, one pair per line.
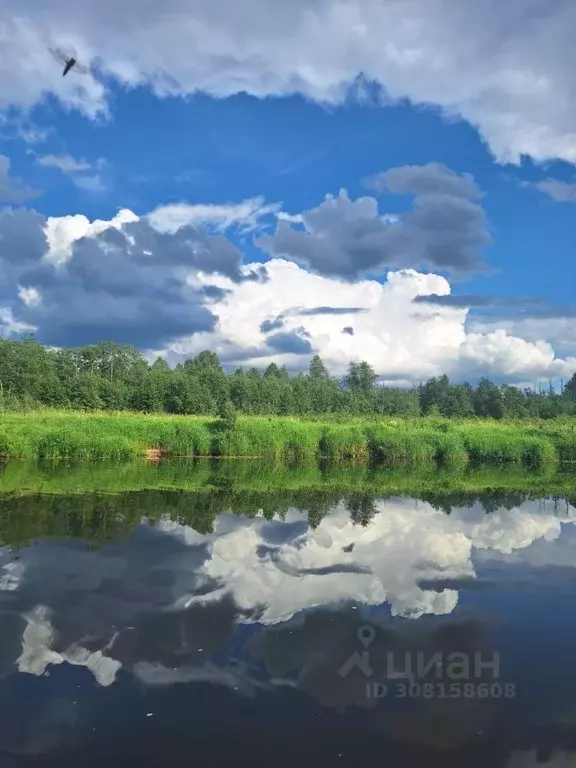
409,443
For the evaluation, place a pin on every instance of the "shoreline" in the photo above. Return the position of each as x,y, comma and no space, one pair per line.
420,442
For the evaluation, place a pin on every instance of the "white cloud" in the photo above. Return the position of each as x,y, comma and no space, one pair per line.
90,183
505,67
245,215
560,332
65,163
498,352
77,170
400,339
63,231
9,325
291,218
560,191
405,342
30,296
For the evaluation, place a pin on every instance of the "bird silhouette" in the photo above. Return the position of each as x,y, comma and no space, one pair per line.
69,60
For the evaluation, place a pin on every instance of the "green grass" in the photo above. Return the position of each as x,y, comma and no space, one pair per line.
432,443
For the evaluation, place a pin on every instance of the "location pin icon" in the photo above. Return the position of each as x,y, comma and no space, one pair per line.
366,635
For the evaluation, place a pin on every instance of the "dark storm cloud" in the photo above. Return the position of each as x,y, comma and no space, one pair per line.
445,229
290,343
13,190
129,285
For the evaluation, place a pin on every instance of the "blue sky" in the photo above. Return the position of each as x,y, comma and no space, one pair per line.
284,133
206,150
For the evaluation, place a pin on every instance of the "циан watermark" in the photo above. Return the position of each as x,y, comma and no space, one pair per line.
441,675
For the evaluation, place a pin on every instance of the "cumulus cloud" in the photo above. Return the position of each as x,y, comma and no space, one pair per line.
559,330
181,289
62,232
13,190
120,279
445,229
506,68
403,342
496,353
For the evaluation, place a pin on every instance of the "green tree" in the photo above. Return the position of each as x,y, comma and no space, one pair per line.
361,377
212,380
317,369
227,414
570,387
488,400
272,372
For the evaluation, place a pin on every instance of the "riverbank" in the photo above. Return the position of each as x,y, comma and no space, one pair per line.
441,443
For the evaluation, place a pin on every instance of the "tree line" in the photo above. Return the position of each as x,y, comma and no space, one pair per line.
113,376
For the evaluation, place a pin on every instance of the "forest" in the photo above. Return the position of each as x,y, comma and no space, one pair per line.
114,377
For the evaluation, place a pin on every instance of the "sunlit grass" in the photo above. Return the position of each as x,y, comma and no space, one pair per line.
422,442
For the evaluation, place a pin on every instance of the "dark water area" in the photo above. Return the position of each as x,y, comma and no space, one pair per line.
158,628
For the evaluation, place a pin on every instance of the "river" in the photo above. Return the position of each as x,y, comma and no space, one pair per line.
159,627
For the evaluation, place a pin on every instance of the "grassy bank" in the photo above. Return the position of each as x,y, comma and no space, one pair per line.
453,445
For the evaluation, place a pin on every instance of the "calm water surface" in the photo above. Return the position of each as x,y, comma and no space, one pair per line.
205,637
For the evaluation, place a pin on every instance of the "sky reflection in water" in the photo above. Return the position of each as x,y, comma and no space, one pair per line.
171,641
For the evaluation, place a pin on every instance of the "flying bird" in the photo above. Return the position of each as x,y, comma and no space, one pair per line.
70,62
